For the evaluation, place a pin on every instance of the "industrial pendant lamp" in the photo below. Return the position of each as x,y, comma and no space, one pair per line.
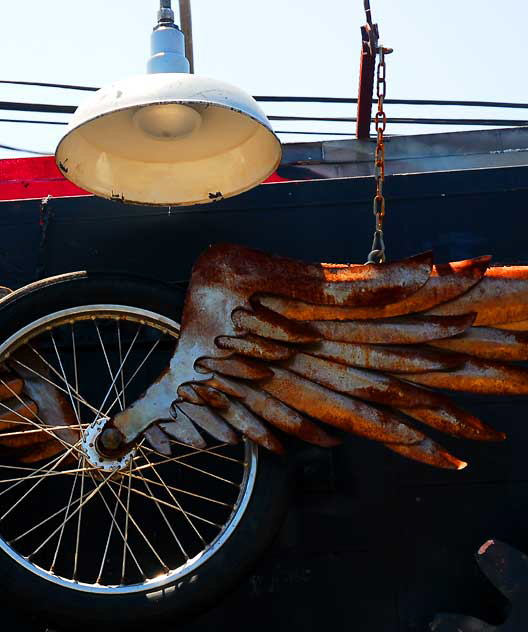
168,137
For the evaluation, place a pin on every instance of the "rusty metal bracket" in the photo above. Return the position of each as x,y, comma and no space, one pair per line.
369,47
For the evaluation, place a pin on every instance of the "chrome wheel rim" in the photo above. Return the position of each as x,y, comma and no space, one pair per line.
149,525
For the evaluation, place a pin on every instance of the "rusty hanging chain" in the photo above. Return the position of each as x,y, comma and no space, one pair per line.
377,254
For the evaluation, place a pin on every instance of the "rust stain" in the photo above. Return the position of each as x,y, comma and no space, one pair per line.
489,343
402,330
430,452
392,359
447,281
236,367
501,297
255,347
478,376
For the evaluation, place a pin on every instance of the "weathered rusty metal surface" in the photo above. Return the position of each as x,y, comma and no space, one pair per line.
158,440
53,408
521,325
277,413
447,281
211,396
367,385
267,340
184,431
403,330
488,343
507,569
454,421
268,324
189,394
255,347
208,421
392,359
13,409
478,376
36,421
10,386
430,452
241,418
235,366
501,297
339,410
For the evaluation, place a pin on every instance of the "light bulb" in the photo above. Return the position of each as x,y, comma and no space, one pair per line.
167,121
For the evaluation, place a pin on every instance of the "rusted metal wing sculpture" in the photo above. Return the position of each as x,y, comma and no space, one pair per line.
271,343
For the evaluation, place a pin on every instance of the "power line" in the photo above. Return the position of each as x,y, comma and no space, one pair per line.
350,134
62,86
293,99
3,120
26,151
68,109
37,107
406,121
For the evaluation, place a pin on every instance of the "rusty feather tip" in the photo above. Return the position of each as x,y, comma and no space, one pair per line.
484,548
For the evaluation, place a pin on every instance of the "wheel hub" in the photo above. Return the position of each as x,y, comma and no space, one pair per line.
96,439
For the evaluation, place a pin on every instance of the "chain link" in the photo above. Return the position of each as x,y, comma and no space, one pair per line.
377,255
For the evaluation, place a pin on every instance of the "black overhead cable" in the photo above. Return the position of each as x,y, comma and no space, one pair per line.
414,121
4,120
25,151
63,86
290,99
37,107
67,109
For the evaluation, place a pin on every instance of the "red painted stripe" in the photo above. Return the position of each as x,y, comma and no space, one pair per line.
26,178
34,178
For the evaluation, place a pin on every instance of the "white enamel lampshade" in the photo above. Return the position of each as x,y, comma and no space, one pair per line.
168,138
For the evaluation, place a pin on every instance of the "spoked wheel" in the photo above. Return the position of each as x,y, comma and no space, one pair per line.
160,537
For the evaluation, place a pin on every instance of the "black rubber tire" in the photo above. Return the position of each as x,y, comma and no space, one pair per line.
69,609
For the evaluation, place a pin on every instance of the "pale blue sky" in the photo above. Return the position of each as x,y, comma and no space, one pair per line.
454,49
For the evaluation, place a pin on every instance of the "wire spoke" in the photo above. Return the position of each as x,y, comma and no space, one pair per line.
64,524
98,414
185,513
20,433
47,379
110,530
125,538
182,491
171,506
120,348
112,377
140,531
50,517
113,517
152,349
31,489
78,529
88,497
64,378
43,426
34,474
50,474
54,384
181,462
165,519
210,451
75,371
